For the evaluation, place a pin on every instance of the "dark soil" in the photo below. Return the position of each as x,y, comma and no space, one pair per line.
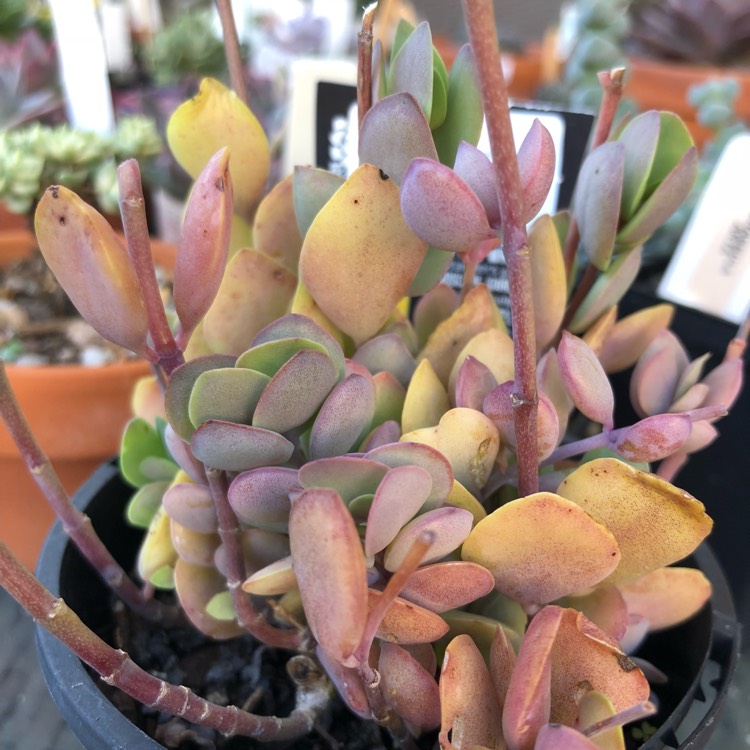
240,671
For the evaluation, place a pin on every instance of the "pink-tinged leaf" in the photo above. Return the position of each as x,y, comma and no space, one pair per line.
654,438
692,398
388,353
596,202
407,454
275,579
542,547
441,209
193,546
406,623
345,415
394,132
654,381
389,398
560,737
260,497
583,652
400,495
182,455
550,384
528,699
350,476
432,309
536,166
204,242
227,393
469,712
549,286
724,383
238,447
296,391
312,189
91,265
192,506
498,406
493,348
259,548
347,682
635,633
383,434
600,329
426,399
275,230
667,596
410,690
411,68
473,382
640,137
502,662
476,170
450,526
604,606
322,534
585,380
702,435
630,336
196,585
448,585
620,497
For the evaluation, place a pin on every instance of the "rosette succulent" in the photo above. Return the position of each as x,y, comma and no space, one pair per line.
349,460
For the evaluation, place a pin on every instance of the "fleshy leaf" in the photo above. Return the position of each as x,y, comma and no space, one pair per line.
639,137
350,476
211,120
542,547
361,233
387,352
449,585
275,231
426,399
273,580
441,208
432,309
321,534
91,265
561,737
260,497
585,380
192,506
269,357
654,438
194,547
536,166
474,381
677,522
144,504
493,348
411,68
156,550
604,606
394,131
653,383
406,623
227,393
312,189
140,442
476,170
348,683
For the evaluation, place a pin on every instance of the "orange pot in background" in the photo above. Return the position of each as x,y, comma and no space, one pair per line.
76,413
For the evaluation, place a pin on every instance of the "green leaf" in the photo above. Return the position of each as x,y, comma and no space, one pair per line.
228,393
163,578
411,69
143,506
220,606
139,442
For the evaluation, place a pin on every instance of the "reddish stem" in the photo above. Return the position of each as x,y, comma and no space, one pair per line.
364,63
77,525
249,617
232,50
117,669
480,23
133,212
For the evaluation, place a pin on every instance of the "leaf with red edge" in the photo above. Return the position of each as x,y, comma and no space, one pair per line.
408,688
330,570
474,380
448,585
604,606
406,623
350,476
655,437
560,737
653,384
476,170
536,167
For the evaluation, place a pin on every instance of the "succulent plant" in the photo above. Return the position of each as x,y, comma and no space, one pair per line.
392,494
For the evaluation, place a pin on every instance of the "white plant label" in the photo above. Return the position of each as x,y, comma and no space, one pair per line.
710,269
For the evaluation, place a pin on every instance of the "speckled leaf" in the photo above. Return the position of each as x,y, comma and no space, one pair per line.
322,534
395,131
296,391
607,290
464,116
406,623
441,208
312,189
273,580
473,382
203,246
192,506
478,312
667,596
92,266
677,522
227,393
269,357
426,399
585,380
398,498
344,416
255,290
275,230
383,434
501,663
406,454
350,476
180,451
450,526
476,170
411,68
542,547
536,166
549,286
180,386
408,688
260,497
630,336
654,380
387,352
211,120
493,348
196,586
469,712
470,442
481,629
654,438
448,585
235,447
604,606
259,548
432,309
347,682
361,233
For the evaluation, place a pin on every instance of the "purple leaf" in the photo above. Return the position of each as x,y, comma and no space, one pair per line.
473,383
448,585
350,476
536,166
476,170
388,353
260,497
654,438
192,506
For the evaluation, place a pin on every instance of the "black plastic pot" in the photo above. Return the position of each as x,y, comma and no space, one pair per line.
699,656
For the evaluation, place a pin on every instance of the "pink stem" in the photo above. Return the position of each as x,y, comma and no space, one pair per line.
232,50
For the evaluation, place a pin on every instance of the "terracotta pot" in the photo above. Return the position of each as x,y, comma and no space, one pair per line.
77,414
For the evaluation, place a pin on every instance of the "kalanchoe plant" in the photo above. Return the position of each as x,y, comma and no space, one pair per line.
395,498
